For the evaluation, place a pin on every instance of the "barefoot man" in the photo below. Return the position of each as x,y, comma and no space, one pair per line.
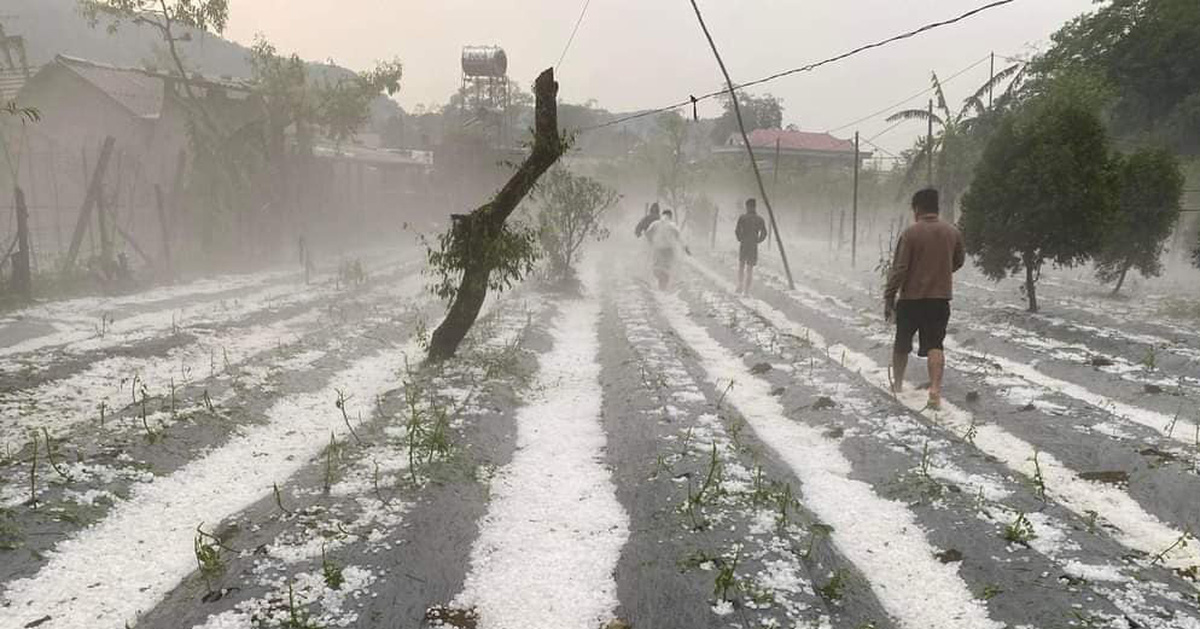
928,254
751,231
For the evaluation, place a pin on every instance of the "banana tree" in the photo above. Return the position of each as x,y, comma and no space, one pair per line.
959,136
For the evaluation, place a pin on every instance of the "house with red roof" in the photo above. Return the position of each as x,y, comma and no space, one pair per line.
794,148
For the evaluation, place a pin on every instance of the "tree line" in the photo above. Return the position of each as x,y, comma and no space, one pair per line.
1079,159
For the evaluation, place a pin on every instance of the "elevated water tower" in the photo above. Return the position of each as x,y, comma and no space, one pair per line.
485,92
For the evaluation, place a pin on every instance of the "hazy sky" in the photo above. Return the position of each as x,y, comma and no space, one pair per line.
635,54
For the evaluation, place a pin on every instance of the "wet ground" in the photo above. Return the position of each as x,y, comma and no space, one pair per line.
255,452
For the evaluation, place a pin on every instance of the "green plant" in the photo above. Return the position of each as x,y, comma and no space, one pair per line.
341,406
298,617
207,548
1181,542
835,588
990,591
726,579
925,460
33,463
972,431
1150,359
1039,481
1020,530
330,451
572,209
279,499
331,571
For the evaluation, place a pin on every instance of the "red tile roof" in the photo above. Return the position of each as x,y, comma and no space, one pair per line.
796,141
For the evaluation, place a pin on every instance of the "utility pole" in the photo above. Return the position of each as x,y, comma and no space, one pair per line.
929,145
737,110
854,214
775,182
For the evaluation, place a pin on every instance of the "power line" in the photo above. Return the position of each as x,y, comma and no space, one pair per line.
806,68
914,96
574,31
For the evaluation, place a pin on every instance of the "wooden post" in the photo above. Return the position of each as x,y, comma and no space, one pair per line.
58,236
94,189
22,275
774,183
166,232
133,243
102,220
929,145
716,222
854,218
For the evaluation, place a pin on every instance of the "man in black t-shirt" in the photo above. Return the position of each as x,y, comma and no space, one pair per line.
751,231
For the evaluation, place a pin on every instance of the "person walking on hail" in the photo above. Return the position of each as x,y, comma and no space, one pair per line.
919,290
665,242
751,231
647,220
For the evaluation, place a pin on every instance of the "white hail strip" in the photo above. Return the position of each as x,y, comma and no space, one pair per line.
76,333
1175,428
61,404
125,564
550,542
1136,528
881,537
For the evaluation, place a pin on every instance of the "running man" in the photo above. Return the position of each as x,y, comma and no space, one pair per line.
929,252
665,241
647,220
751,231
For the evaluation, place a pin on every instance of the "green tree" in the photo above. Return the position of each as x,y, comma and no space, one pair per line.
959,136
1044,191
1146,49
669,153
572,207
763,112
1151,189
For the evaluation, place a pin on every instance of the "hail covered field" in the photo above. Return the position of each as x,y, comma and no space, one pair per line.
256,452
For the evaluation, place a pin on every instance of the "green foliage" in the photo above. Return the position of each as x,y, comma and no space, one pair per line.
204,15
571,209
339,106
1044,191
1151,189
959,136
1020,530
763,112
1146,50
511,254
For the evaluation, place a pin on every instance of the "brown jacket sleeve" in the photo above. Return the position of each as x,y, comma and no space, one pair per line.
899,272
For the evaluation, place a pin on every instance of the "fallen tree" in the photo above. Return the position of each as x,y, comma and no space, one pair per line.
479,243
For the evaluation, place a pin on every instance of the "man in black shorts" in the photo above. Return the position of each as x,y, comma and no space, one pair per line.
922,276
751,231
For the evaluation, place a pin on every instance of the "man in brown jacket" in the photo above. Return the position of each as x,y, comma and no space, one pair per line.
928,254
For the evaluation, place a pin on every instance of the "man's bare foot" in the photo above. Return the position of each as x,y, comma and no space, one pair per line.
935,401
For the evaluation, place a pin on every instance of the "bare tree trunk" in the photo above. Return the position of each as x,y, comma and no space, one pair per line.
1030,286
487,221
22,276
1121,280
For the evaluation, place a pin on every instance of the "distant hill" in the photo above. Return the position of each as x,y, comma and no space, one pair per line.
53,27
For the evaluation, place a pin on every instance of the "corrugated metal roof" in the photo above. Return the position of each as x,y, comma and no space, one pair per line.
11,82
136,90
797,141
140,91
